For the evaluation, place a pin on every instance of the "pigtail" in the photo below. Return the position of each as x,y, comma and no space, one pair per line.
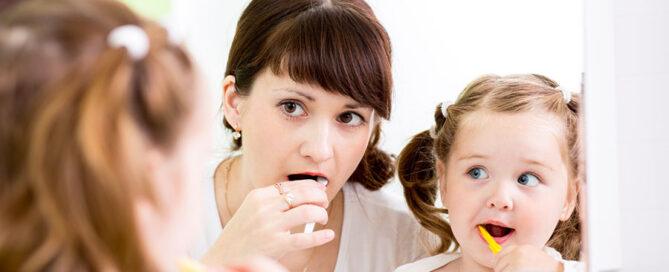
418,175
87,119
566,238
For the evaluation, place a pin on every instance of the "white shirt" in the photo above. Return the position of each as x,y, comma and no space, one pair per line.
378,231
439,260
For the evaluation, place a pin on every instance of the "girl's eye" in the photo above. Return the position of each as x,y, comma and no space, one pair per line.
478,173
292,108
350,118
528,180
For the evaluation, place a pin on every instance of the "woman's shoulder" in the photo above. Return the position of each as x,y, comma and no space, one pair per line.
429,263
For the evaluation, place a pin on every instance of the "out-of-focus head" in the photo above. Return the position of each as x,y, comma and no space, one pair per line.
100,147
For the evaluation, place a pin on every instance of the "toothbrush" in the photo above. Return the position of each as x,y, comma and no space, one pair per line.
494,246
190,265
309,227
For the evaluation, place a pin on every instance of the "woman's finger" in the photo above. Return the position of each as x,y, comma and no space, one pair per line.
289,186
297,241
301,215
301,196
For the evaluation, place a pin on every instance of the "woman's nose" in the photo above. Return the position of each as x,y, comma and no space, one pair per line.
317,143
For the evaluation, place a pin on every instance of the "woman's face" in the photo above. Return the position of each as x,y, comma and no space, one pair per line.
291,128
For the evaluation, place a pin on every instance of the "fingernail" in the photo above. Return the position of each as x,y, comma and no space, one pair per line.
329,235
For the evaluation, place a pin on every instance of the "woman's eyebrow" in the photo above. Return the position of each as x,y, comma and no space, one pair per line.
355,106
298,92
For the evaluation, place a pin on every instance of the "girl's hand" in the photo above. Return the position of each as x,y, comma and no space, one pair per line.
262,224
254,264
525,258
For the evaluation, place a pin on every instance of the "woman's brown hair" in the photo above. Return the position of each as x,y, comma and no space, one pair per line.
516,93
338,45
75,117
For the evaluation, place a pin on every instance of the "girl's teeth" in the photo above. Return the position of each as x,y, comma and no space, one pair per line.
322,180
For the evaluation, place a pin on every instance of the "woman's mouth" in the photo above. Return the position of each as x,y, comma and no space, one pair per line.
498,232
318,178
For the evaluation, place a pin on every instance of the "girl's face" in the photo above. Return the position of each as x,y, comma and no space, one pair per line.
506,171
168,225
290,128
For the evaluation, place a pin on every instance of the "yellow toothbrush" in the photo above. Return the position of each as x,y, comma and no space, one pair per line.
190,265
494,246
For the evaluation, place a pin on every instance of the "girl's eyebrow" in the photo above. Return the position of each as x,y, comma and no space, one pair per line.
471,156
537,163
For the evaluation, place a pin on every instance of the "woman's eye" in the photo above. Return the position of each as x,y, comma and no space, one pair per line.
292,108
478,173
350,118
528,180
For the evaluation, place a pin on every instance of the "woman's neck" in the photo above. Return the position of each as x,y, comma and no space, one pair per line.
230,187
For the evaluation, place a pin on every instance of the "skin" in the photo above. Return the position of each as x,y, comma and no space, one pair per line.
481,183
287,128
178,206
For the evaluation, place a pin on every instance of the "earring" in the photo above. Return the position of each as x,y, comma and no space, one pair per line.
236,135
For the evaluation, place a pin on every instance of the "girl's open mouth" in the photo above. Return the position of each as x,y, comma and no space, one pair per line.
498,232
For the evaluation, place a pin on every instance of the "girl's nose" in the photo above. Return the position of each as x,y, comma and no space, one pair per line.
500,198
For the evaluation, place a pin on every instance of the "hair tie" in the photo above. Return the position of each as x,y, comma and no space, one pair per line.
433,132
133,38
444,107
565,94
444,112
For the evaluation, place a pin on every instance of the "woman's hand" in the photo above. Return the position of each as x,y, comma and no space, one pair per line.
525,258
262,224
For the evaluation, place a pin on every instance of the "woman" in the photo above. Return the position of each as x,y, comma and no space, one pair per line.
307,83
102,132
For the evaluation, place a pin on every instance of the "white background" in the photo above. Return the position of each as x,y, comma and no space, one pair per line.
438,48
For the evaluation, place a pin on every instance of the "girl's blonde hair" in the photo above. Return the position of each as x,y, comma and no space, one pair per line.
515,93
75,117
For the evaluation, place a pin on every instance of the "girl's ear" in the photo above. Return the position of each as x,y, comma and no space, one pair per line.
441,179
232,102
570,204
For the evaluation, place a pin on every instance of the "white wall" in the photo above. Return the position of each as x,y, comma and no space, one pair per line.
438,47
637,68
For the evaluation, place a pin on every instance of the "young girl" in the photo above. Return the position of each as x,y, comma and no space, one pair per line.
507,157
102,134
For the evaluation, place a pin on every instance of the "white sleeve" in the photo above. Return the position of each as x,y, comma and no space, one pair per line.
573,266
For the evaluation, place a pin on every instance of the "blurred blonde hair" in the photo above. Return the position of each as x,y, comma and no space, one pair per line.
75,117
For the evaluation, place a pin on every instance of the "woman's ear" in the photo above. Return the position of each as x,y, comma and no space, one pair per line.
231,103
572,197
441,182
